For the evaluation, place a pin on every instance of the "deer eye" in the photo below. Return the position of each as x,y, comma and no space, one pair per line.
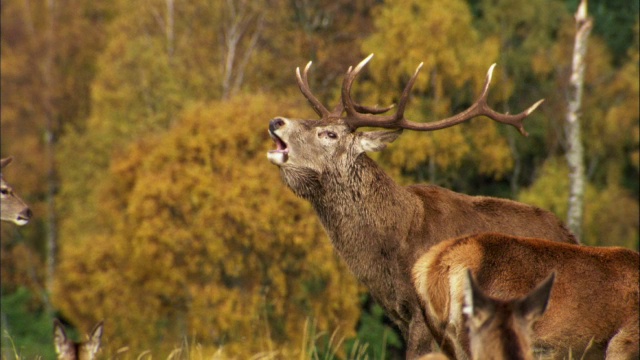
332,135
4,191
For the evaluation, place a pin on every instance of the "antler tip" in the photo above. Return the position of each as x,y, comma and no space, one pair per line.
533,107
490,72
363,63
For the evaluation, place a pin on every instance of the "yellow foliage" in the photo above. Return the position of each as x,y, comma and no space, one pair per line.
207,242
610,214
441,35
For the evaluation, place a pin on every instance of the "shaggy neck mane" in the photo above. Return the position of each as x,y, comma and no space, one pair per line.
355,206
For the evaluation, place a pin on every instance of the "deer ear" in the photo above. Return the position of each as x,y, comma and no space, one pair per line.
535,304
4,162
376,140
59,336
95,339
476,305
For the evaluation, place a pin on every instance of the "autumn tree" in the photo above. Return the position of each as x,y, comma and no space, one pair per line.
197,238
48,52
610,214
610,122
456,59
525,30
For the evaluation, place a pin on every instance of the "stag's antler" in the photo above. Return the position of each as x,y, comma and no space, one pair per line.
303,84
355,119
360,116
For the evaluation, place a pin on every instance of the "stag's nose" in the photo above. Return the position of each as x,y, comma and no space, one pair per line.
276,123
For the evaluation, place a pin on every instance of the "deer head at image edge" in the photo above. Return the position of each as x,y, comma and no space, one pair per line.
12,207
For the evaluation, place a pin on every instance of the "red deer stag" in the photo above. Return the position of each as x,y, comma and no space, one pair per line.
378,227
67,349
593,309
12,208
500,329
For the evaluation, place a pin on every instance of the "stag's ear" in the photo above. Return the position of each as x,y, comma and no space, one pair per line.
376,140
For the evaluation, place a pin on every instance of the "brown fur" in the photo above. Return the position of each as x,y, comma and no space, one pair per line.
12,208
501,329
595,296
67,349
380,228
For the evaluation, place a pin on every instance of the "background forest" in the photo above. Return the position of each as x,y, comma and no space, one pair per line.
139,136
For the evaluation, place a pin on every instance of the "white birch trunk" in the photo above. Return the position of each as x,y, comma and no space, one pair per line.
575,151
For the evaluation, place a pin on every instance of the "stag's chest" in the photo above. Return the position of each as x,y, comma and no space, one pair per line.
369,258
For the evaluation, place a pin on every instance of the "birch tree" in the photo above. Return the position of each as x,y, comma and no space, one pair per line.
575,150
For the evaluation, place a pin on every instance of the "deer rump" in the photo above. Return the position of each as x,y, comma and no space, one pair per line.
593,309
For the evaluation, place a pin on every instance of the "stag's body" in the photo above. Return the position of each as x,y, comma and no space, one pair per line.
67,349
12,208
378,227
593,308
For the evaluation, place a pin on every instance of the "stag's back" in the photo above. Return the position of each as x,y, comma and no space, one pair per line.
449,214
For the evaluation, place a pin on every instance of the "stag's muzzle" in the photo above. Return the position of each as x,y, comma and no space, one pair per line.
280,155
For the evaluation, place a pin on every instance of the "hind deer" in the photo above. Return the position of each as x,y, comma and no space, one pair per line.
501,329
12,208
67,349
378,227
593,308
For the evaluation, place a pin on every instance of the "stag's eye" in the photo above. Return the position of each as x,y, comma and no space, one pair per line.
330,134
4,191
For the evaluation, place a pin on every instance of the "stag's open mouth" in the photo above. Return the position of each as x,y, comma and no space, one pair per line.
281,154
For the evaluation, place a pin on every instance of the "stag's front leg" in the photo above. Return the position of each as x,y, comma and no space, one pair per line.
419,339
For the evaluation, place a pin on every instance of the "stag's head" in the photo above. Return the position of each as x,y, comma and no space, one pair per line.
12,208
305,149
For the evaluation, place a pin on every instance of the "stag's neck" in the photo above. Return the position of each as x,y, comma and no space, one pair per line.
365,213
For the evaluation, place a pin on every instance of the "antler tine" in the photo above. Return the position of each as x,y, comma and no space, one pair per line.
303,84
478,108
353,109
347,103
359,118
404,98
